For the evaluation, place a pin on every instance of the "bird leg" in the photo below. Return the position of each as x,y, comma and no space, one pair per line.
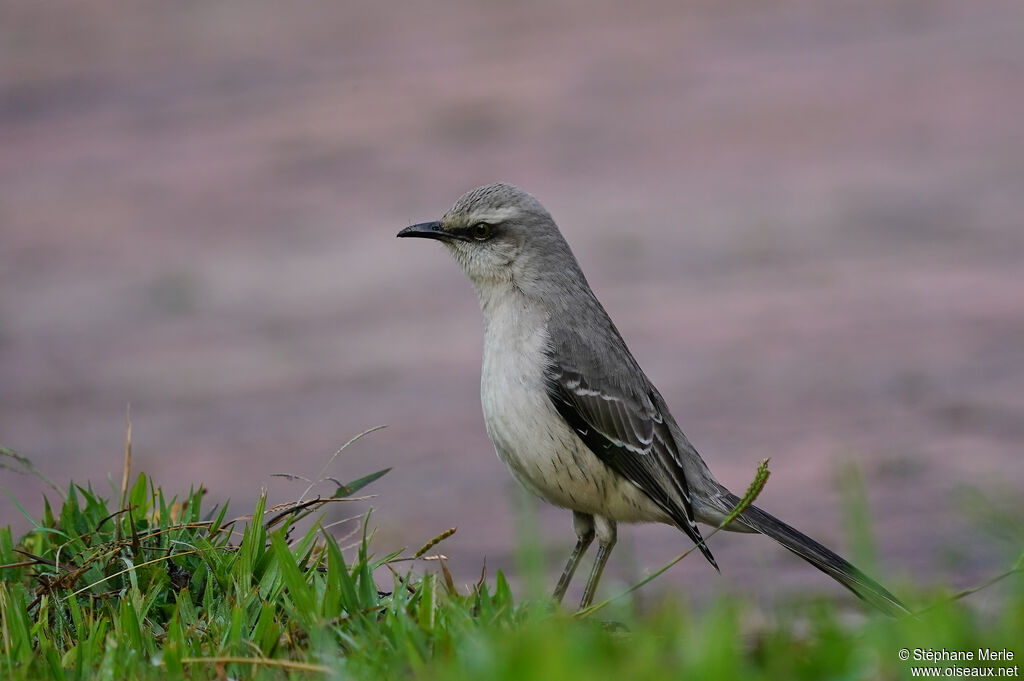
606,535
584,526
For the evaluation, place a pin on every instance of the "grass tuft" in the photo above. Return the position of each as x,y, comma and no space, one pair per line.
159,587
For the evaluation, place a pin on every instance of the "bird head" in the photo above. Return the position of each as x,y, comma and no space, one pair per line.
499,234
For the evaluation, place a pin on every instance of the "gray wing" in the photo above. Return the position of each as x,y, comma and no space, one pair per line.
627,432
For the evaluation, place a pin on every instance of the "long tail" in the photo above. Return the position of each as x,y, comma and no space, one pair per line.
819,556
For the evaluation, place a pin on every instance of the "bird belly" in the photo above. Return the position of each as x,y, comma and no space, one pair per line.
540,448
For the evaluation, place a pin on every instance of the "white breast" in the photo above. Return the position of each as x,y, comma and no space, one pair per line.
529,435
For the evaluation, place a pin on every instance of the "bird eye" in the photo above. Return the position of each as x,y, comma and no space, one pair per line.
481,231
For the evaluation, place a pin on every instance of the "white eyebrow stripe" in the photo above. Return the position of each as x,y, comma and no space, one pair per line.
496,215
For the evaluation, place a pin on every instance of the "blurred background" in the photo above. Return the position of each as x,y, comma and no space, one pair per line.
805,218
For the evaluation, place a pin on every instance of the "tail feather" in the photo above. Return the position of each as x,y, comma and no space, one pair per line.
820,557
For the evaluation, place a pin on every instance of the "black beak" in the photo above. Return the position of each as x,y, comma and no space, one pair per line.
426,230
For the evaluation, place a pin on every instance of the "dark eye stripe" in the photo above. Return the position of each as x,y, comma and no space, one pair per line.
470,233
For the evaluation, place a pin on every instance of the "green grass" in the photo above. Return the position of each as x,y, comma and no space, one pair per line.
152,587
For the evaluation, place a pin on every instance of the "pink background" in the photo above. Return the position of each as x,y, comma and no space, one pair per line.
805,218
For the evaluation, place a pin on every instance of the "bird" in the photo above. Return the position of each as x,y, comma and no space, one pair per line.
568,408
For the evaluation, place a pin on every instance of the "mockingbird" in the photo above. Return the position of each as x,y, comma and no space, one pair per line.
568,408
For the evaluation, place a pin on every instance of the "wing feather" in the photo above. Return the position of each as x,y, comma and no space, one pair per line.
629,435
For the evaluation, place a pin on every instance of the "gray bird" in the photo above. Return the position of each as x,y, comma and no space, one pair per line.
567,406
